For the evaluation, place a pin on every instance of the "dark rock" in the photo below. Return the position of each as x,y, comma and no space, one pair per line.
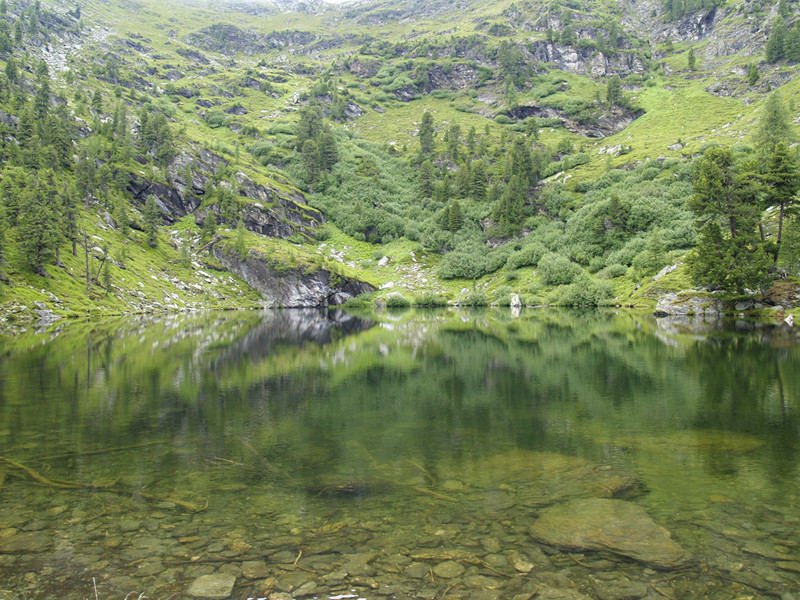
290,288
615,526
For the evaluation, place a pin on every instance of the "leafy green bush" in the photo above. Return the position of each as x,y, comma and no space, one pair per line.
585,291
556,269
529,255
430,299
612,271
477,298
465,262
216,118
358,302
397,300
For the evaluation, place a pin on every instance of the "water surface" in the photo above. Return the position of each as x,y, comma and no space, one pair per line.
319,454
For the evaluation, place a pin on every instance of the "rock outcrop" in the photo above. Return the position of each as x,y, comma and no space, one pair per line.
687,304
296,288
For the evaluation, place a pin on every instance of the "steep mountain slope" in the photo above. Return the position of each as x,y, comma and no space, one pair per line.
277,117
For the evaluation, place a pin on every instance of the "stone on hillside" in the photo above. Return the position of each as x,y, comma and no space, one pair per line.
216,585
614,526
685,303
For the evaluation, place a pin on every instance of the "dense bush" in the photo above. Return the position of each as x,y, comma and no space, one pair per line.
397,300
585,291
557,269
430,299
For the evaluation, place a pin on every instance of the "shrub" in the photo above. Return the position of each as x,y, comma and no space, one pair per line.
430,299
556,269
477,298
358,302
502,295
322,233
612,271
397,300
529,255
585,291
468,261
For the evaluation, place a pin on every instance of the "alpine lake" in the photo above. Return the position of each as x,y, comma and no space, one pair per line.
548,455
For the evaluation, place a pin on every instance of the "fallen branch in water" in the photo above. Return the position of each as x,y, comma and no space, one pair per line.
425,471
437,495
107,487
64,485
101,451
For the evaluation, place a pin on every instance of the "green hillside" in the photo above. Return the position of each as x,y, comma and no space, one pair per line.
462,152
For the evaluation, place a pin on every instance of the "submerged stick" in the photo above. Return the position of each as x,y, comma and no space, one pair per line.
101,451
258,455
424,471
437,495
64,485
108,487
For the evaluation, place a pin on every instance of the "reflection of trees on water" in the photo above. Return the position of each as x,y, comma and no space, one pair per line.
314,391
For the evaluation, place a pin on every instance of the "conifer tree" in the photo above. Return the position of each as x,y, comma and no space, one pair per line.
791,48
479,181
455,218
784,181
209,227
775,126
426,140
152,219
725,195
426,179
38,231
775,43
752,74
691,60
328,150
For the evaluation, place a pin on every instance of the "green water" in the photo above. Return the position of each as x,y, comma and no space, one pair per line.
320,455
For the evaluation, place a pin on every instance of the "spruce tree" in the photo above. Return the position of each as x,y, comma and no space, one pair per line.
775,126
426,180
328,150
614,90
784,183
426,140
39,232
691,60
455,218
775,43
152,219
791,48
752,74
479,181
209,227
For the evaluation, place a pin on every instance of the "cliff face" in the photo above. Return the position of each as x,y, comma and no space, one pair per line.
294,288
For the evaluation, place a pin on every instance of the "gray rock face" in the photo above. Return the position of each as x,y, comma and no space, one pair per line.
216,585
614,526
291,289
685,303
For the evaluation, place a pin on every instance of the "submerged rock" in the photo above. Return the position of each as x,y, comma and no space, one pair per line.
615,526
216,585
